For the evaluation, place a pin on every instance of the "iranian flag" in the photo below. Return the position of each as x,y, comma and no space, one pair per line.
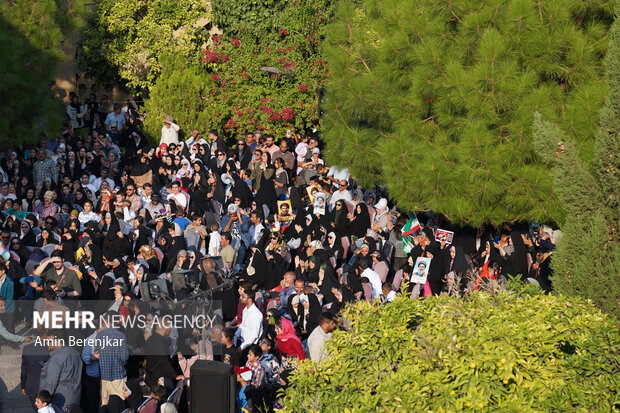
409,230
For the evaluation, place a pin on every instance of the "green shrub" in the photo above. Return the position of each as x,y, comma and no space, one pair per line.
124,39
516,351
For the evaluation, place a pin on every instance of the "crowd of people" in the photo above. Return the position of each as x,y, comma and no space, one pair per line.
99,213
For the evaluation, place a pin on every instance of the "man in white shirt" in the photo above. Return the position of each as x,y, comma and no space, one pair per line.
373,277
316,340
169,132
85,181
177,196
104,177
342,193
251,326
258,228
337,174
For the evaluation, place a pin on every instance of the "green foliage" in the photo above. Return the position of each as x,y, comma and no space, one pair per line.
587,260
125,39
239,96
30,36
439,98
513,352
180,90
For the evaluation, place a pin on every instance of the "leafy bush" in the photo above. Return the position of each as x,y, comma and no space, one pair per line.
239,96
516,351
437,98
125,39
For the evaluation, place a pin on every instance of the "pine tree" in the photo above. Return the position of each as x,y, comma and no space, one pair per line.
587,261
436,99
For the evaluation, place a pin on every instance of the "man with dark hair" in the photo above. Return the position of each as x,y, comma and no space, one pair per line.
217,144
316,340
227,252
230,355
62,374
251,326
67,281
256,229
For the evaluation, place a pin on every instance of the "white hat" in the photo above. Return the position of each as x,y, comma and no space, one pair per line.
316,150
382,204
233,208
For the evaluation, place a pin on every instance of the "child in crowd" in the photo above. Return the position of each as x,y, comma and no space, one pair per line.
42,401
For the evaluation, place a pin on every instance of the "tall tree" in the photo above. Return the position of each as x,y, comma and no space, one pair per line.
587,261
31,33
436,99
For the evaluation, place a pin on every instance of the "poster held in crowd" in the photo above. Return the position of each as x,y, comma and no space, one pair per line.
312,190
443,235
420,270
284,212
409,231
319,203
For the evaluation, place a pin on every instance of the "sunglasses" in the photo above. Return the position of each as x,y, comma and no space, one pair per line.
6,237
220,154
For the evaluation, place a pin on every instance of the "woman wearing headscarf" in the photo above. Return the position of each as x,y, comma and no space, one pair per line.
243,153
198,202
280,179
276,266
257,268
73,168
216,190
288,342
360,221
265,190
436,271
26,235
46,238
334,247
115,244
338,220
241,190
150,256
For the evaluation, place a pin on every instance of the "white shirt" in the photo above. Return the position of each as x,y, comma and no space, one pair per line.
97,183
170,134
214,244
338,195
258,233
316,343
251,325
83,217
338,174
180,199
375,282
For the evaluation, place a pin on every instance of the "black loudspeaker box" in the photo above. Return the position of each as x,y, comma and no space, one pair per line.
212,387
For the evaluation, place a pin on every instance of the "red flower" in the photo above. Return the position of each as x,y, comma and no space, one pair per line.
214,77
211,57
216,38
235,42
302,87
283,32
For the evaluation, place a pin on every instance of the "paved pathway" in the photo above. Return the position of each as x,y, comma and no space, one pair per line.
11,399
